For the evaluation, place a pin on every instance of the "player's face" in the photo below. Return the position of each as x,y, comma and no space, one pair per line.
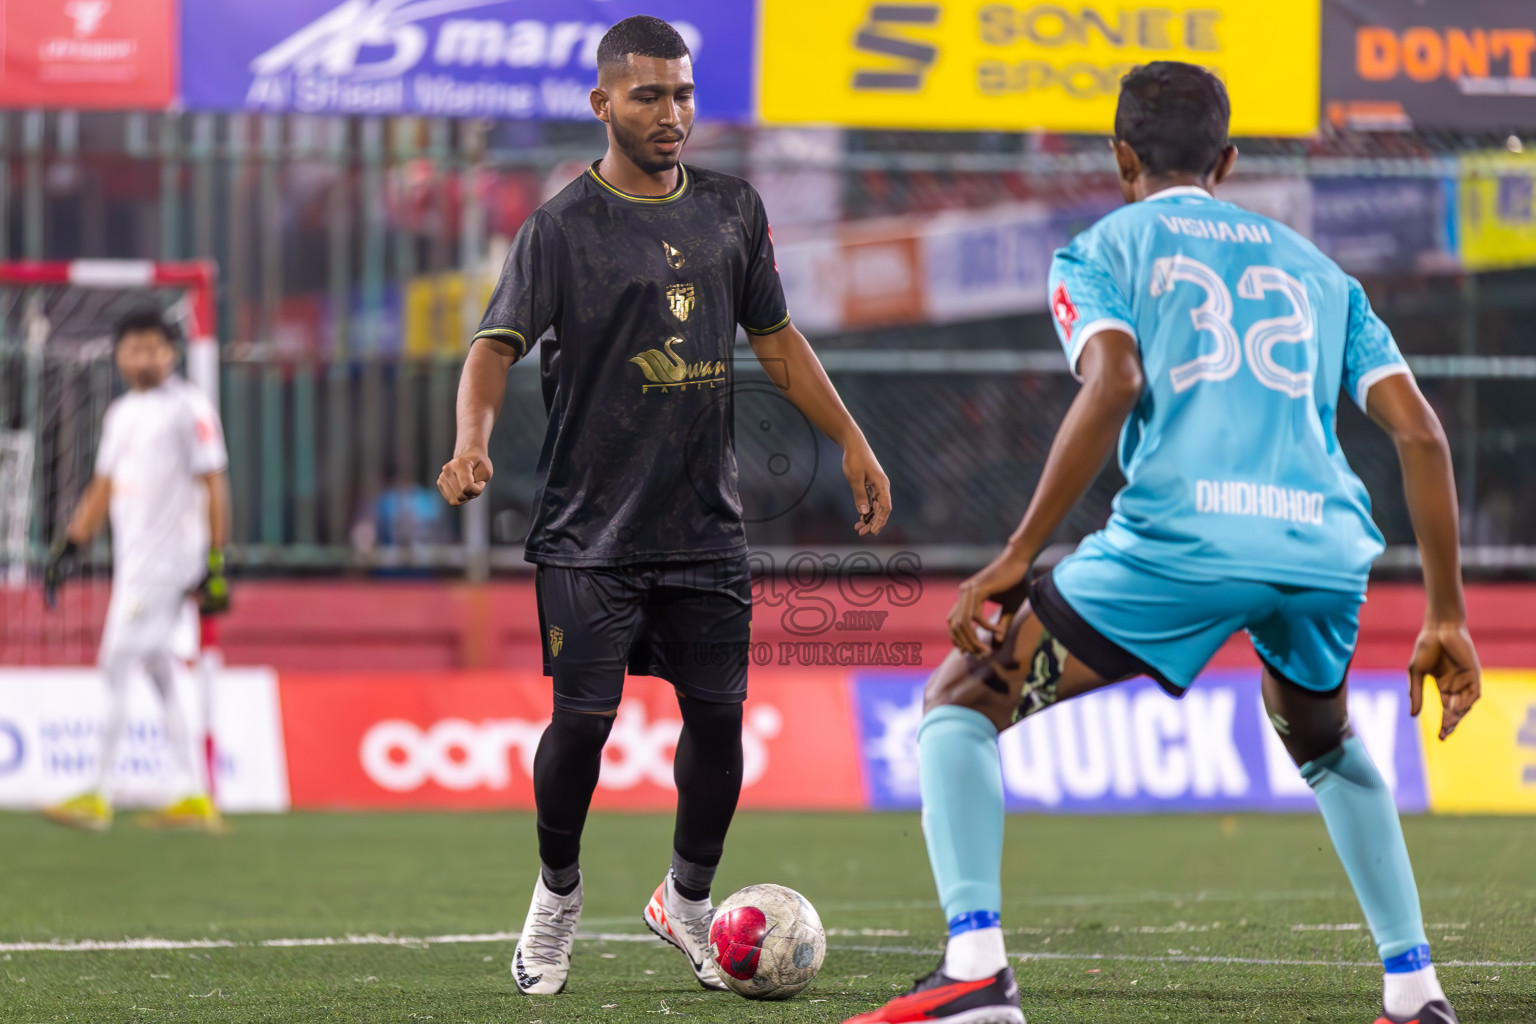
650,111
145,359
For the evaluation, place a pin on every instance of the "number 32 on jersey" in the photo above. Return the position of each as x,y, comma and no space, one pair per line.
1214,317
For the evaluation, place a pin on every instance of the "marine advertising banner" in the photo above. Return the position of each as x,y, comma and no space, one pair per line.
980,64
1463,65
521,59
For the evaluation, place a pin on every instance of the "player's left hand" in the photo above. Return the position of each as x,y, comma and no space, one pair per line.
1444,650
213,592
871,488
1005,573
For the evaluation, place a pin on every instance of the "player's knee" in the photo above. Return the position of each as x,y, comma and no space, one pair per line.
711,723
1309,734
961,681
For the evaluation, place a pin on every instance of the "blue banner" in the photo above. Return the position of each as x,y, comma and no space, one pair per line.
1383,225
1132,748
517,59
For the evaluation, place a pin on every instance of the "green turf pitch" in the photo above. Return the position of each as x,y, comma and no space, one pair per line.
1168,905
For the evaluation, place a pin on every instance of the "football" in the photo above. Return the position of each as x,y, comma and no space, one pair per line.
767,941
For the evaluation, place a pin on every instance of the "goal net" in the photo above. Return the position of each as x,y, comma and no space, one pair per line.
56,379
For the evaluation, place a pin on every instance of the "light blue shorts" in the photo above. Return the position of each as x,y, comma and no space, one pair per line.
1176,624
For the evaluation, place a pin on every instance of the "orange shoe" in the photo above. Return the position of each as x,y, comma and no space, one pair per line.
685,925
1437,1011
993,1000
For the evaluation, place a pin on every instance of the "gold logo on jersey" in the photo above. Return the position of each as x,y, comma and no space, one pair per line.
680,301
665,369
675,258
556,641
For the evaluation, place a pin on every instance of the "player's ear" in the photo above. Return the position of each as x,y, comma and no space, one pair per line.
599,100
1126,160
1224,164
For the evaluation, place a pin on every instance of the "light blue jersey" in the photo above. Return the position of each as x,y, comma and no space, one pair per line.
1247,334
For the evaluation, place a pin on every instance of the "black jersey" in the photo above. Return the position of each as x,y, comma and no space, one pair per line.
643,294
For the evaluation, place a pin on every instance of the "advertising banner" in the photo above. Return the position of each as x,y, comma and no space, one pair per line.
1383,225
1496,211
467,740
1489,765
88,54
1133,749
1464,65
522,59
50,736
979,64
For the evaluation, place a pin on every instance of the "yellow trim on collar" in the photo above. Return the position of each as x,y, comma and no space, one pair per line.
675,195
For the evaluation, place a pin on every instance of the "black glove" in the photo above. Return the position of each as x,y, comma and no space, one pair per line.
213,592
61,558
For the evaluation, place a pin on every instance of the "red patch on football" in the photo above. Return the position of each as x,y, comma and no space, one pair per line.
1063,309
737,938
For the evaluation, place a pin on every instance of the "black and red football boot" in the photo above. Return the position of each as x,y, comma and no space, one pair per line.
938,997
1436,1011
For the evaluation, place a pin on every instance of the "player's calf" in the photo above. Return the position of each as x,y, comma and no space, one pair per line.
1361,815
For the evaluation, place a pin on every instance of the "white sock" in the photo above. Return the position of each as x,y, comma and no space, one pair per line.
1406,993
976,954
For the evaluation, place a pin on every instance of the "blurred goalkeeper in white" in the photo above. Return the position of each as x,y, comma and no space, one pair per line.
160,470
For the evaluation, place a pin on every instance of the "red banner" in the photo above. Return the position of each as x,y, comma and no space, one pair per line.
88,53
467,740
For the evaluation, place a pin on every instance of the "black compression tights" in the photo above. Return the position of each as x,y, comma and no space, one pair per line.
565,771
707,770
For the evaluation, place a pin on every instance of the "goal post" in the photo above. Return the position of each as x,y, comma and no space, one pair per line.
56,379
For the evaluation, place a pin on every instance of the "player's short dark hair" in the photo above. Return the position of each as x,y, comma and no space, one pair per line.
143,318
1175,116
640,36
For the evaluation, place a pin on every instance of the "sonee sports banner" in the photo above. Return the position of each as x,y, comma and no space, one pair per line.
981,64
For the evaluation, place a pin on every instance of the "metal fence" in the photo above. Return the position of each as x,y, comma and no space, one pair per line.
353,256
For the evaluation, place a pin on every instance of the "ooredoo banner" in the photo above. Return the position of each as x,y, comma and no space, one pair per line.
91,54
521,59
1464,65
468,740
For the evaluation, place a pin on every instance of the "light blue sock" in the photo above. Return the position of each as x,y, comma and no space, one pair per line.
1361,817
963,813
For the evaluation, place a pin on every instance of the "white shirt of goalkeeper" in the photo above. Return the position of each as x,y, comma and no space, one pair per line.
156,446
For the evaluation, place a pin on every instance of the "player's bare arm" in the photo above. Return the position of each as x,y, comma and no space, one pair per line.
1444,649
91,514
482,386
793,367
1112,383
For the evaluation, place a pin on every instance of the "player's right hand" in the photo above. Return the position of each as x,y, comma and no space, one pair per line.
1002,576
464,477
1444,650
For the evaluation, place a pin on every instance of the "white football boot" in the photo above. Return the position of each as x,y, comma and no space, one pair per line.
685,924
543,958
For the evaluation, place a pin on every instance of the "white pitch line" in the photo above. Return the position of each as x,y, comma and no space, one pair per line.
133,945
1135,959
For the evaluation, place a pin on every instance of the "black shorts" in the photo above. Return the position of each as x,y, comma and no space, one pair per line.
689,623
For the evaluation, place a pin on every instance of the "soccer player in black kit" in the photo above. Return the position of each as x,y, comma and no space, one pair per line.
644,268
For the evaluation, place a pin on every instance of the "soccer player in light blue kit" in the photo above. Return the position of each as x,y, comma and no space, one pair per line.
1215,343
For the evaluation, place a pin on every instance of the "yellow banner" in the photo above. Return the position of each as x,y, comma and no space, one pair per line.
1488,766
979,64
1496,211
434,313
